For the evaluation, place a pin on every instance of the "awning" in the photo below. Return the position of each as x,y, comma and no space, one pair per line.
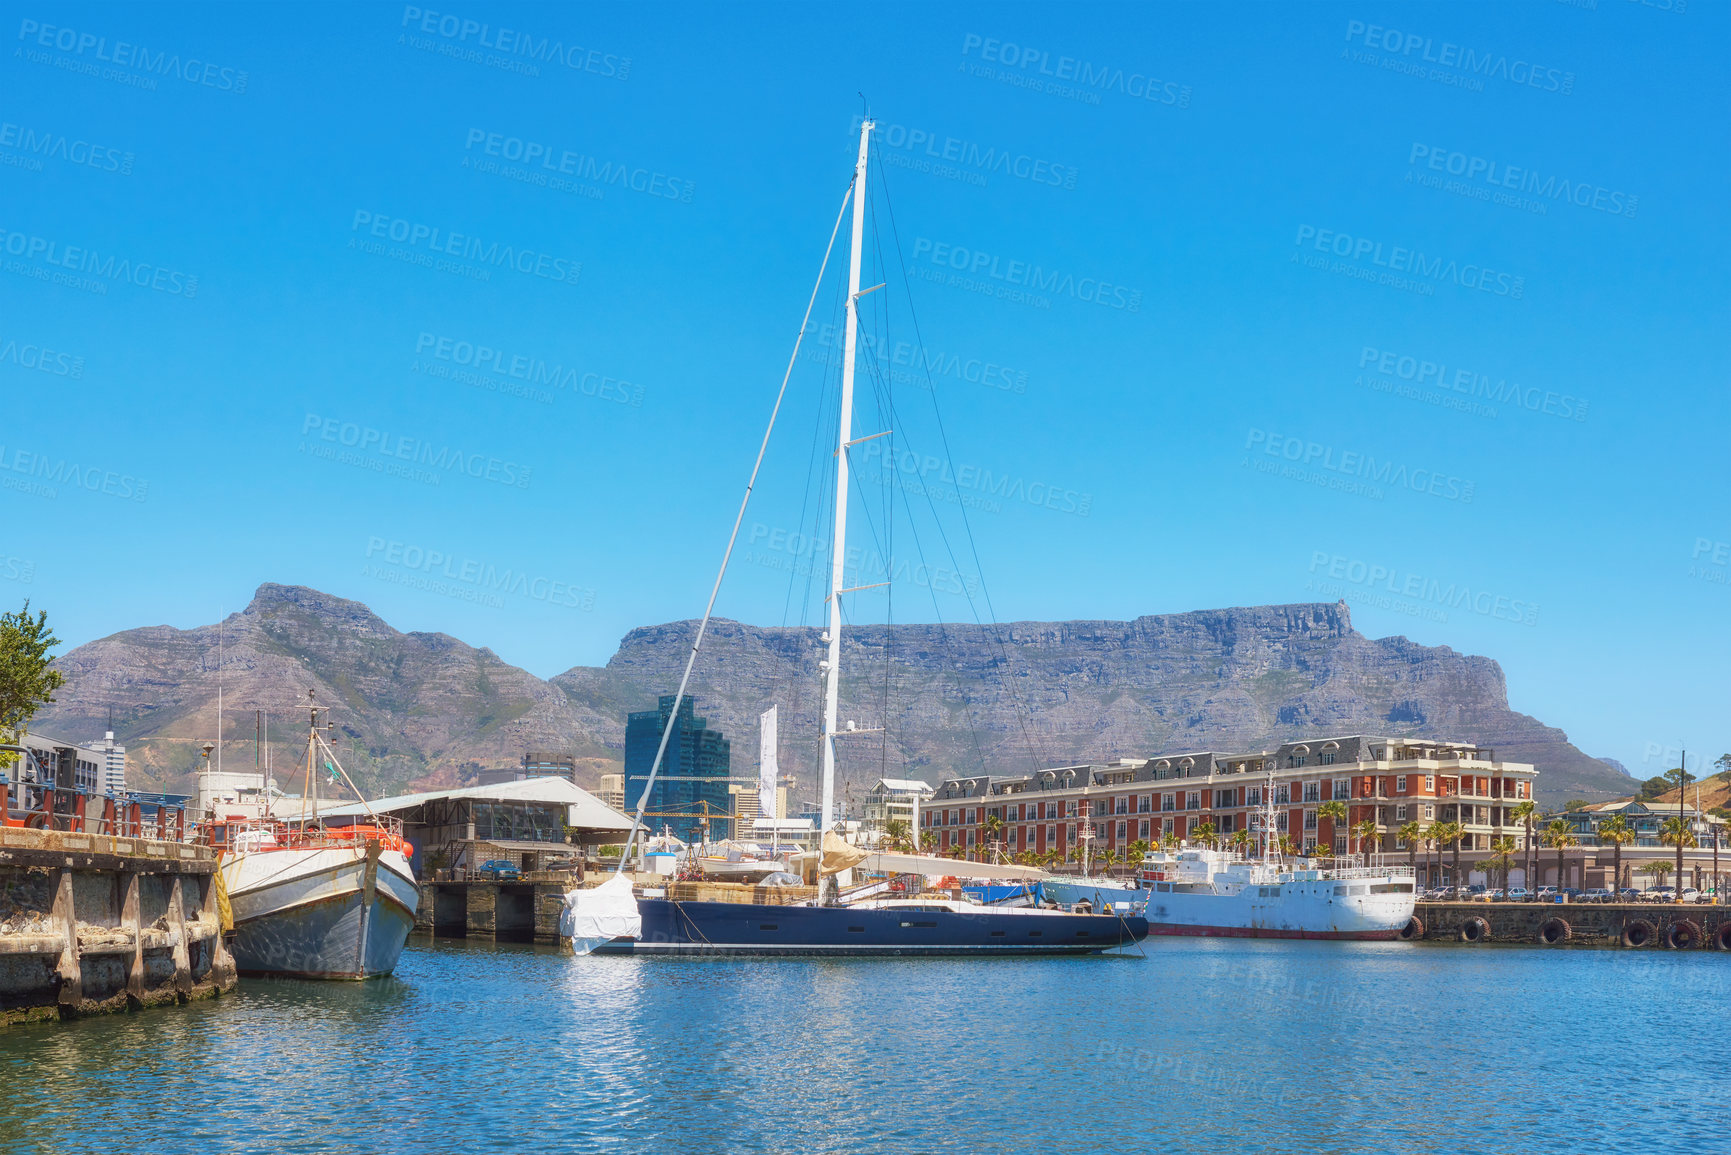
530,847
931,864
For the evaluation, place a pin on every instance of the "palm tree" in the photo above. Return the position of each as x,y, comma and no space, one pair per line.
1559,835
896,834
1169,841
928,842
1502,855
1205,834
1410,833
1366,832
993,831
1676,832
1451,835
1335,812
1617,831
1433,834
1658,868
1110,859
1523,812
1241,840
1027,858
1287,848
1136,850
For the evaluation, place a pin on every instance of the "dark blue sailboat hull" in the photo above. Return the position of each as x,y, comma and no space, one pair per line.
704,928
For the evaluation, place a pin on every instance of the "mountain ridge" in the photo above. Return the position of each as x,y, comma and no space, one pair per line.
427,709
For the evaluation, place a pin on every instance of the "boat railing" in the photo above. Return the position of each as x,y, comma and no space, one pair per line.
278,834
1346,872
740,892
127,815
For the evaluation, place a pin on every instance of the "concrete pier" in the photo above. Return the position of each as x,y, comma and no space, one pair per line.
518,910
91,923
1631,926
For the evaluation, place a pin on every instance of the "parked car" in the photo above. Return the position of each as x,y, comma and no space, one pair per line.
1629,894
1438,894
499,868
1660,894
1690,894
1570,893
1495,894
1597,894
1518,894
1547,893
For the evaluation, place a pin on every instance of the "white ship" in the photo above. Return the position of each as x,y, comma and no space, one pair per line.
1198,891
314,901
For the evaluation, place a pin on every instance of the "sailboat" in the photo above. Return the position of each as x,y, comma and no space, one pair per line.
612,919
317,901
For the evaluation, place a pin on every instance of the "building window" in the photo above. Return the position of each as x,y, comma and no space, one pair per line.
1430,783
1280,822
1253,796
1328,759
1194,801
1168,802
1166,826
1429,810
1225,798
1120,832
1313,792
1123,806
1144,833
1283,793
1310,820
1147,804
970,838
1400,814
1298,761
1400,784
1343,788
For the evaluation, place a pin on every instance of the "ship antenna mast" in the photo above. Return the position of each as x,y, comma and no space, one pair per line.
838,539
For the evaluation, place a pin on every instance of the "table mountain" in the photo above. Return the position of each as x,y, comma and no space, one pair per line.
427,709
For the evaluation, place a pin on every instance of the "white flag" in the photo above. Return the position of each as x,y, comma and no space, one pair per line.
766,772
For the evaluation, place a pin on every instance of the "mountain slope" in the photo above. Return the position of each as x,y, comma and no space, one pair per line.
429,709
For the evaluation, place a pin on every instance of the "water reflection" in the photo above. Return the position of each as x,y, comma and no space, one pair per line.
1307,1046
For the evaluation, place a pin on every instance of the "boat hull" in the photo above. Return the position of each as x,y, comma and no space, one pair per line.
305,913
1303,909
726,928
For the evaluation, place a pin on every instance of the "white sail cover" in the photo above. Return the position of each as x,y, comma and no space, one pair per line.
597,916
766,770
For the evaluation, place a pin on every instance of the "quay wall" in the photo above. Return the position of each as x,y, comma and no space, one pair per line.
523,910
1624,926
92,923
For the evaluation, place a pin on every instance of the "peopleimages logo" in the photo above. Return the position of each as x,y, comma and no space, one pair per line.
376,448
975,264
42,358
1508,180
516,46
1412,49
1454,595
91,270
986,159
1400,263
1361,467
563,162
502,366
431,241
45,472
478,581
87,45
39,144
1470,383
1070,76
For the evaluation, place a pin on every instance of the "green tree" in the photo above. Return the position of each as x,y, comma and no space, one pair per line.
1450,834
1366,833
1502,856
1206,834
1659,869
1335,812
896,832
1241,840
1676,832
27,682
1616,831
1724,764
1654,786
1523,813
1287,848
1410,833
1169,841
1560,836
929,842
1135,851
1110,859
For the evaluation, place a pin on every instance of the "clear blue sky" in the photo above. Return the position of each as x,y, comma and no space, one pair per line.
1540,188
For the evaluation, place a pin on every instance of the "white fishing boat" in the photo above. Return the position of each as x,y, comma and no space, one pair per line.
1200,891
316,901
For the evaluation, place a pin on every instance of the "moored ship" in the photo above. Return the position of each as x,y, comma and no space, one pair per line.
1212,893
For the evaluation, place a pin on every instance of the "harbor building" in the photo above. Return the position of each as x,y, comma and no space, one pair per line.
534,764
690,797
895,799
1388,781
68,765
613,791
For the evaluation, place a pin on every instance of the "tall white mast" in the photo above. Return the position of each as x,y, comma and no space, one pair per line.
838,548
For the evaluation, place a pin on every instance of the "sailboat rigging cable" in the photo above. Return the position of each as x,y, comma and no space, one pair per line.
738,520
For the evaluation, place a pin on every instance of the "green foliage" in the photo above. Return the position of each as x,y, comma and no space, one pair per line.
1575,804
26,681
1653,787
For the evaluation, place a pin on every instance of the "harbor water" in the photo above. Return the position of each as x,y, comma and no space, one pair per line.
1201,1045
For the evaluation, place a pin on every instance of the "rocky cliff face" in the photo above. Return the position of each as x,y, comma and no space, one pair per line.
426,708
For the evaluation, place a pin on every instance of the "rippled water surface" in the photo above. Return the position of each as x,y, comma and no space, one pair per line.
1202,1045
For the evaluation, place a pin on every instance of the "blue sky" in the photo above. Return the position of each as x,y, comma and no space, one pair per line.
1423,306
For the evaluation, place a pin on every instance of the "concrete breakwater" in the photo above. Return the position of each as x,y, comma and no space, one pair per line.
1632,926
91,923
